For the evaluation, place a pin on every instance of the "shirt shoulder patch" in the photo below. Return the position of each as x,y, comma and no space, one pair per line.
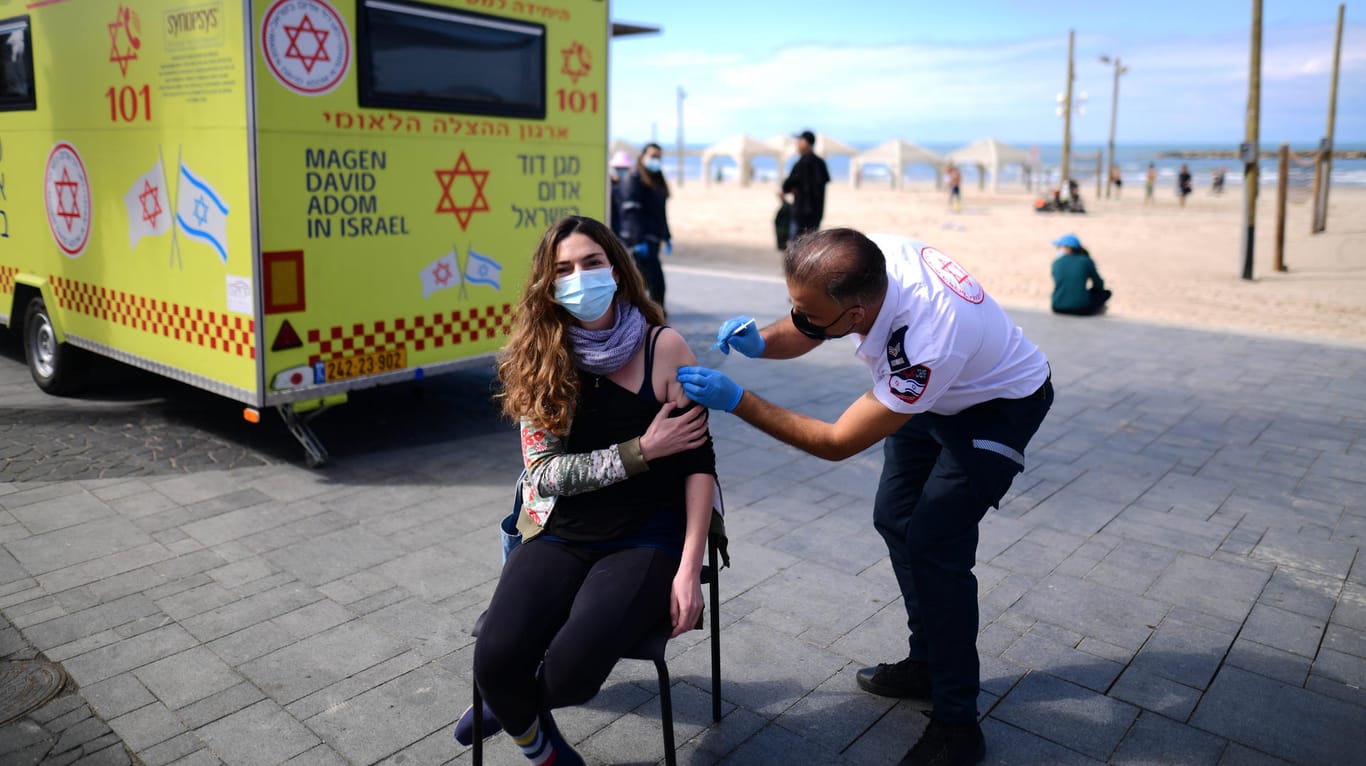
954,276
896,350
909,384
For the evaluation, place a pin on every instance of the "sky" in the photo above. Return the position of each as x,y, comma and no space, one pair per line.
864,71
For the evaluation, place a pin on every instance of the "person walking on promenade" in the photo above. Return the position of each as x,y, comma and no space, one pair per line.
644,220
955,178
616,497
958,392
1077,286
619,168
806,183
1183,184
1149,182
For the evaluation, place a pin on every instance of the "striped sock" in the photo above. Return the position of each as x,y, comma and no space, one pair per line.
535,746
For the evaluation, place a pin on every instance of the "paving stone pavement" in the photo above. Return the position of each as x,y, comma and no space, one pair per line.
1176,577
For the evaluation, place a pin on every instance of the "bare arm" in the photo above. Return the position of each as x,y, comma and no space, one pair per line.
783,341
686,601
862,425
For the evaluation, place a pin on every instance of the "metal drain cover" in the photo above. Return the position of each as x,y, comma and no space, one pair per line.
26,685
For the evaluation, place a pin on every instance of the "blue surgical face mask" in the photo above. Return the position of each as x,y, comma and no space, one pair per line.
1063,251
652,164
586,294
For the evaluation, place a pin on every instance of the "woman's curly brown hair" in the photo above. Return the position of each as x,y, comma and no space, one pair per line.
535,369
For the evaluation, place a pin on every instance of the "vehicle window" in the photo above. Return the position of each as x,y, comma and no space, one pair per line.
16,65
416,56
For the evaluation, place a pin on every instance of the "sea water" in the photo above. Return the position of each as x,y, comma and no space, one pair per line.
1132,160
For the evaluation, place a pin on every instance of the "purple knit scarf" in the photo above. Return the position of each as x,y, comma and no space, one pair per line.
602,352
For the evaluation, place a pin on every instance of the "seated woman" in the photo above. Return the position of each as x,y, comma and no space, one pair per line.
1077,286
617,497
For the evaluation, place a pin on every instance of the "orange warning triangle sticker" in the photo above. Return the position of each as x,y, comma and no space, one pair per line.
286,338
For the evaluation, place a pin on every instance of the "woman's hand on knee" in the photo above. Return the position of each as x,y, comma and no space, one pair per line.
669,436
685,603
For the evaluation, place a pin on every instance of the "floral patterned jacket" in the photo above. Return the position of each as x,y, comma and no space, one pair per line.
551,472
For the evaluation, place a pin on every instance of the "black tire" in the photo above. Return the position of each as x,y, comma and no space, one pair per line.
57,368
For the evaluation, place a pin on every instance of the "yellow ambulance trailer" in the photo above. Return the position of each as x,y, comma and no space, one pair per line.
283,200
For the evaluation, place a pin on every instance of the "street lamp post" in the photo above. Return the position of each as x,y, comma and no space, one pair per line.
1067,117
681,95
1114,110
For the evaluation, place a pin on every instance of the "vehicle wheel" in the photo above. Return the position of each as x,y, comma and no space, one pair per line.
56,367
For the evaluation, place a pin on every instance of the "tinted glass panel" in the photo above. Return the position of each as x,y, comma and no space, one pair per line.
421,57
16,65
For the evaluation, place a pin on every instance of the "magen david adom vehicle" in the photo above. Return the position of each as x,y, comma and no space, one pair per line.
283,200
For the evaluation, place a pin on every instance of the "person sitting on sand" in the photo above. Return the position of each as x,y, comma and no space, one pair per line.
1072,270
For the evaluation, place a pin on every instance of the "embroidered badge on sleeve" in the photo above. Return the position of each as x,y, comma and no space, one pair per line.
909,384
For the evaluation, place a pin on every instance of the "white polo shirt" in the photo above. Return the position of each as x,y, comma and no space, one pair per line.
940,343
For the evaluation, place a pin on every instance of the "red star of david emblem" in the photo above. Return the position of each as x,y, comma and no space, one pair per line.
150,212
578,62
479,204
319,42
124,30
442,273
64,187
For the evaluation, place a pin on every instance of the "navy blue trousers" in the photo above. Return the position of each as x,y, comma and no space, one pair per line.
940,475
653,271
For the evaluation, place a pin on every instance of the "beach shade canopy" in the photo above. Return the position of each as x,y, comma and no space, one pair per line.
897,155
990,155
741,148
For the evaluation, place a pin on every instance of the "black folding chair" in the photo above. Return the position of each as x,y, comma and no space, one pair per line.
652,648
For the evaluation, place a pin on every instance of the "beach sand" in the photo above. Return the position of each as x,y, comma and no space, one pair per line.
1166,264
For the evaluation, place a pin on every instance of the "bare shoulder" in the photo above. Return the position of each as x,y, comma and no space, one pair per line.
672,350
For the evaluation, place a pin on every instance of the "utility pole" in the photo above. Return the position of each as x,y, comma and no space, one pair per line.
681,96
1114,110
1250,149
1067,117
1325,164
1282,181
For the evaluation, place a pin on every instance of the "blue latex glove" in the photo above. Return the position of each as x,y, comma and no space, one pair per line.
668,247
742,334
710,388
641,249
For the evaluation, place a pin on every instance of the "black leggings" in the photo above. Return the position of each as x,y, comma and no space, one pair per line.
575,611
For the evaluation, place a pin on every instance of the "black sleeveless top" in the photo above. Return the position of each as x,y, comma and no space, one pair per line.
645,510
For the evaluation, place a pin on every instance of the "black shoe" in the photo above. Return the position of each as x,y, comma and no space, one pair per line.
948,744
907,679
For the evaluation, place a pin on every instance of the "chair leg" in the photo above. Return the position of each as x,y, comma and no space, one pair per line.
478,726
715,639
666,713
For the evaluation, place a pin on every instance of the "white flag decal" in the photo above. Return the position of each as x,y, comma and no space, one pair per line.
201,213
148,206
441,274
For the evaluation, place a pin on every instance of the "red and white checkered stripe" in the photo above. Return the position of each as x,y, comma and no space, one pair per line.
417,333
218,330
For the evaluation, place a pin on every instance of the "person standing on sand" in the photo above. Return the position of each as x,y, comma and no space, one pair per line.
1183,184
1148,183
955,182
806,183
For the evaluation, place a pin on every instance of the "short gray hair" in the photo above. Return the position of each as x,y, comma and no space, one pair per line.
843,263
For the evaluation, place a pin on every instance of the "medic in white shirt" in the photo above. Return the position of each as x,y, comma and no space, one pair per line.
957,394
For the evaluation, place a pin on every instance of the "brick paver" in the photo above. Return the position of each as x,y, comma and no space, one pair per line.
1176,578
